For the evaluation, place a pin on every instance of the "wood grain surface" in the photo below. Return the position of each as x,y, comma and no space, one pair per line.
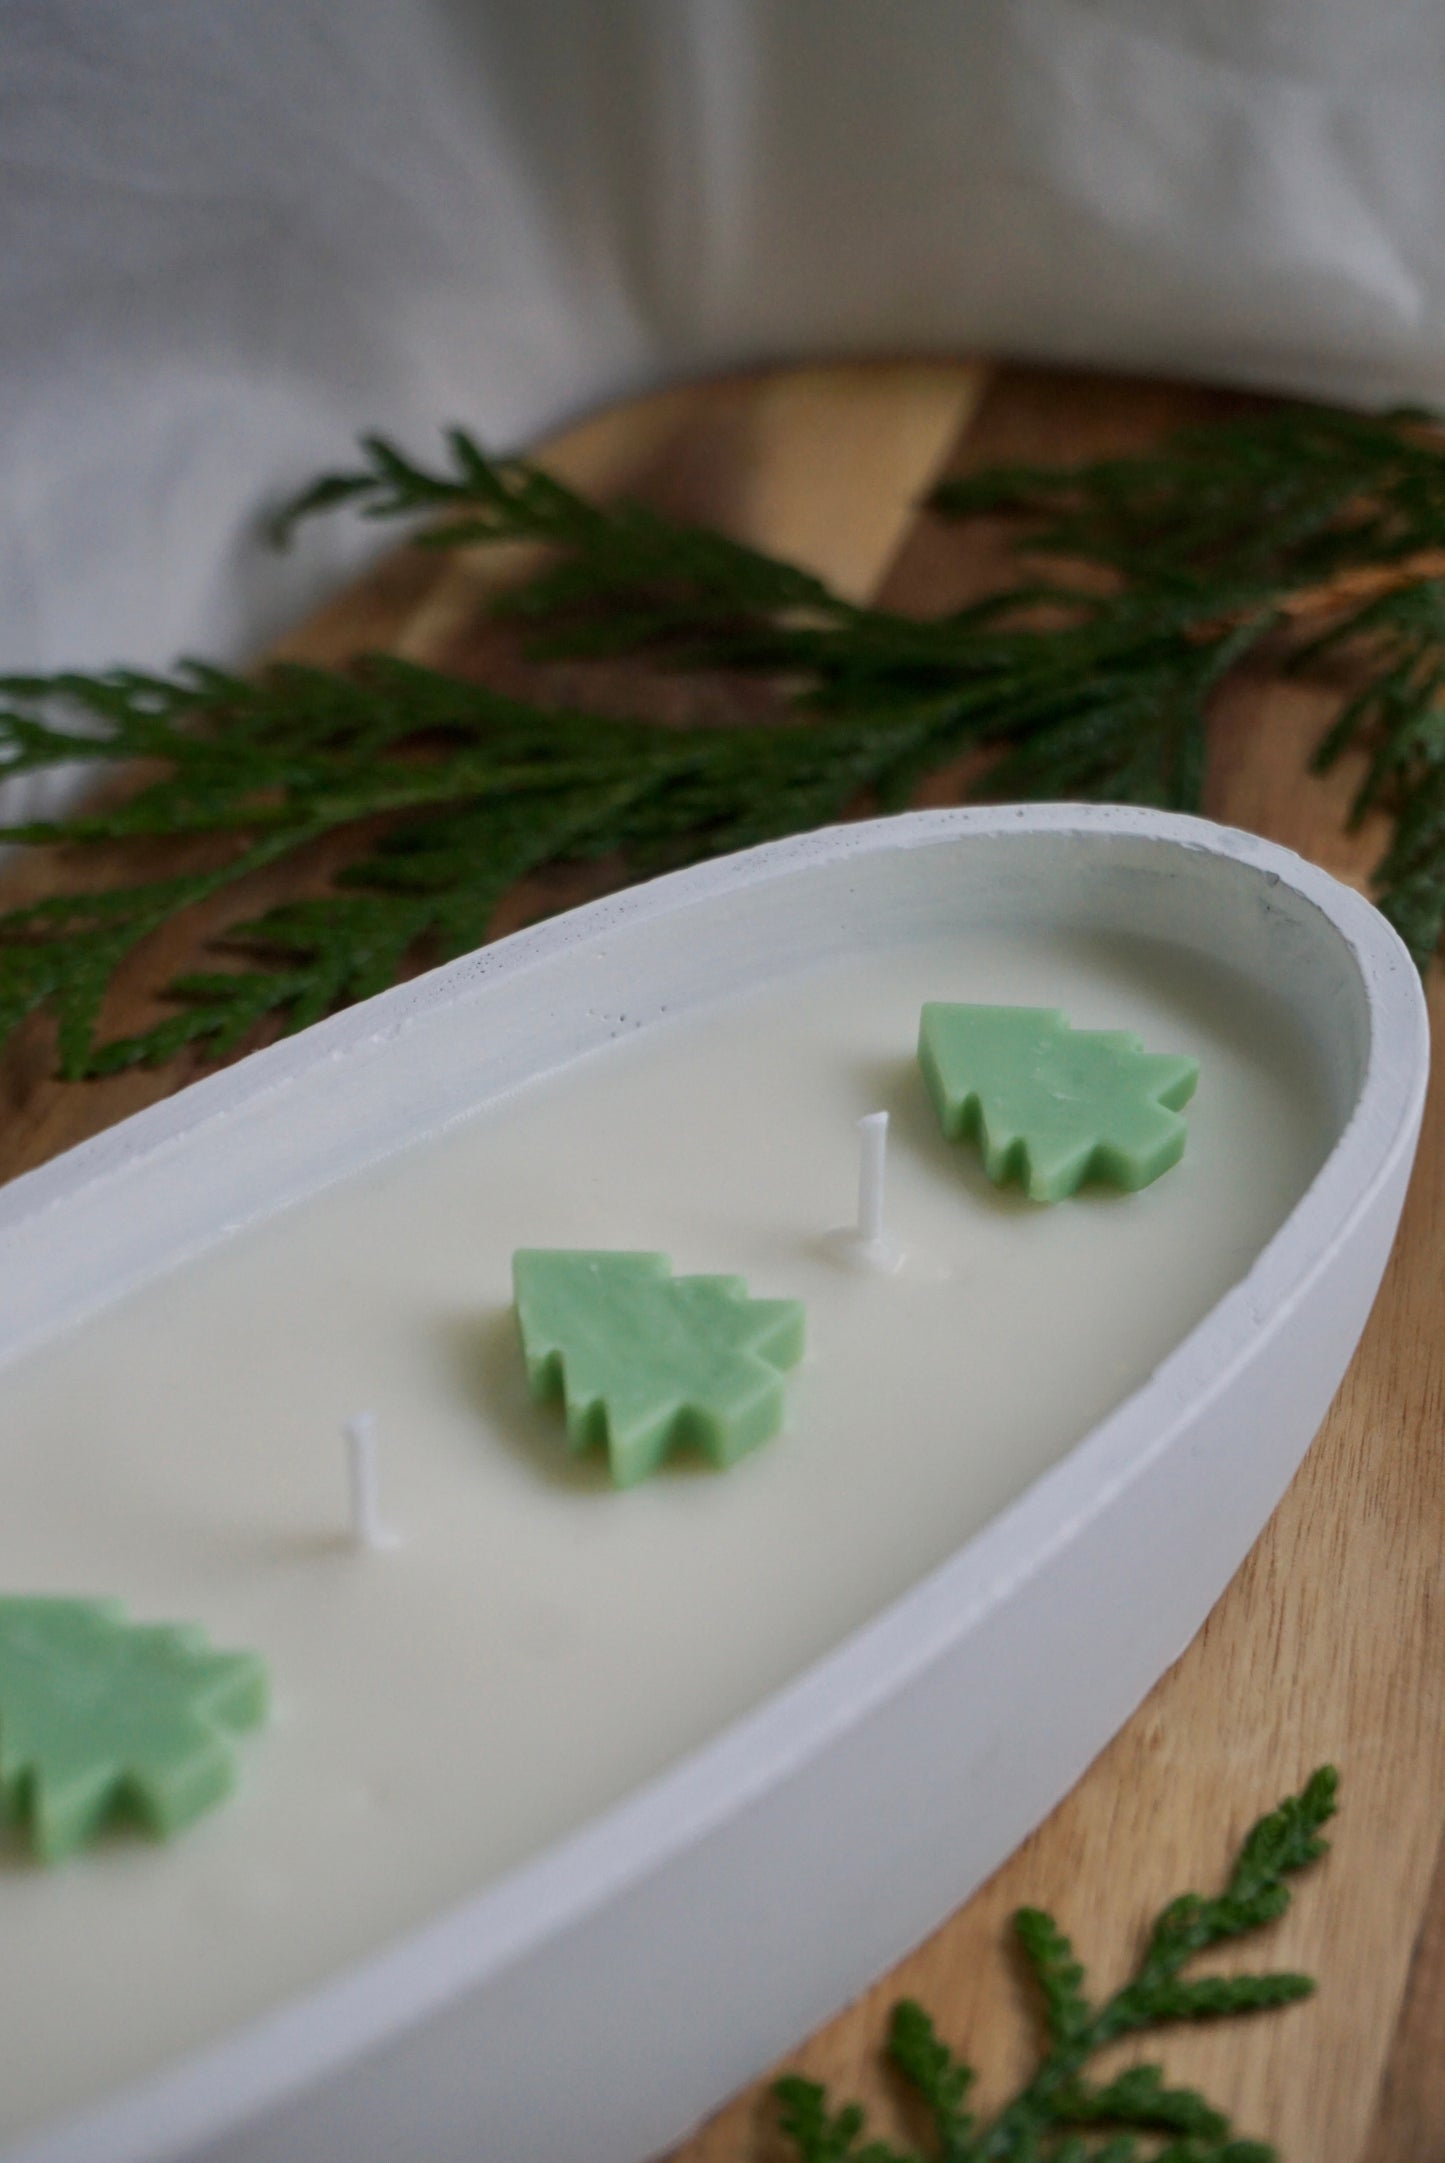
1328,1644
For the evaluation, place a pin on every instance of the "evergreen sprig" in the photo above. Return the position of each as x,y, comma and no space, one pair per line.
1059,2115
1305,537
450,794
1145,582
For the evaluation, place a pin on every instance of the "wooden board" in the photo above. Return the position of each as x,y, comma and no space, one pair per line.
1328,1644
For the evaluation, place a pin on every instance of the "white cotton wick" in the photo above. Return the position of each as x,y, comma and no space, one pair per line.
872,1165
869,1245
367,1531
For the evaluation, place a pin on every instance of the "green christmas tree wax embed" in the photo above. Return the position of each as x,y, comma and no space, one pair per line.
102,1717
1052,1106
646,1362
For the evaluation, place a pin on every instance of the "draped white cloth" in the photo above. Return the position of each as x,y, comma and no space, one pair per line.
235,232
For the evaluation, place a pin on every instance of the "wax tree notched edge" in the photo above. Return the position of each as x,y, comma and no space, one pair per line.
646,1362
1052,1106
101,1718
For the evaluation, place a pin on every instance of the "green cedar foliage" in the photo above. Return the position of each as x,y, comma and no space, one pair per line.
1302,538
1059,2115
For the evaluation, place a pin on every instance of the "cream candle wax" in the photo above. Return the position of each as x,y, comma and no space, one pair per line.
537,1643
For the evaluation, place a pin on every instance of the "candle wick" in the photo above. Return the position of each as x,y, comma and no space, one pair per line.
872,1164
367,1531
868,1245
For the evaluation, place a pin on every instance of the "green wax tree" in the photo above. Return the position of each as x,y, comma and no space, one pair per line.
1053,1106
646,1362
100,1716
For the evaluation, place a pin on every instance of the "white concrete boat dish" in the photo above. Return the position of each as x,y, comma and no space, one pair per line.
593,2002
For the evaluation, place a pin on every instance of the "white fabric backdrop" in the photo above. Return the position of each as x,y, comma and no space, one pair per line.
235,232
